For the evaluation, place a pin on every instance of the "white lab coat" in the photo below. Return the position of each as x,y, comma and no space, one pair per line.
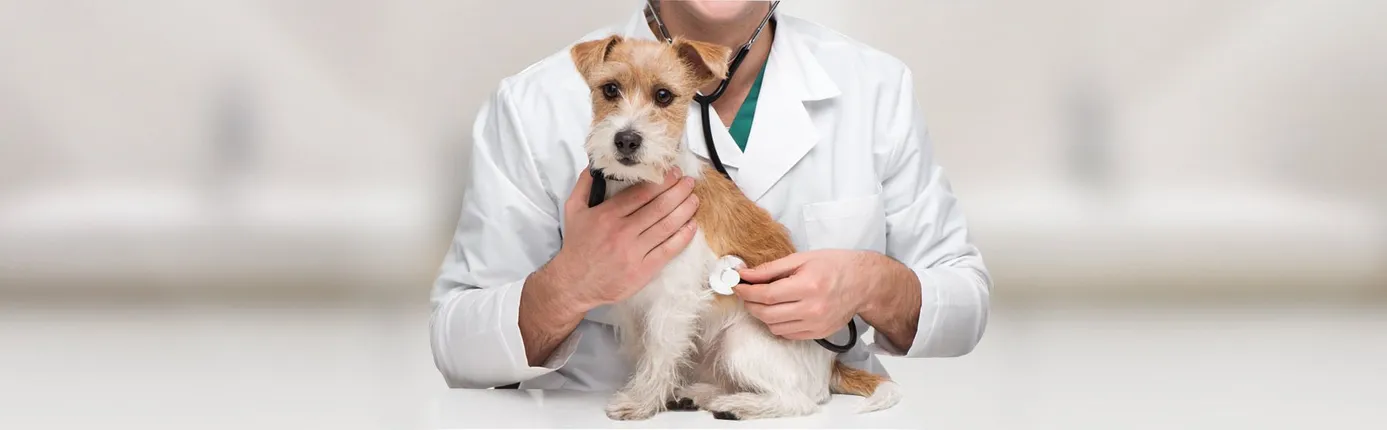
839,153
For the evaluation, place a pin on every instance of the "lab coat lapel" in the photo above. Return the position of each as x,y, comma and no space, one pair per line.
728,151
783,131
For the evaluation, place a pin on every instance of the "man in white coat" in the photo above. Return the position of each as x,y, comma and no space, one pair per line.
821,130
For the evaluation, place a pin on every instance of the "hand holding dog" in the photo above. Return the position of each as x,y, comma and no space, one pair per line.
810,295
612,250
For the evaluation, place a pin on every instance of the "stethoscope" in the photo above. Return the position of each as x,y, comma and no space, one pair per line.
705,103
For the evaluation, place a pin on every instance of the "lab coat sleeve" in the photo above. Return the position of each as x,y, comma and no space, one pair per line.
926,231
508,227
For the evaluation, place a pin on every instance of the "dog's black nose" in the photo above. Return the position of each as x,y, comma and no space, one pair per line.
627,142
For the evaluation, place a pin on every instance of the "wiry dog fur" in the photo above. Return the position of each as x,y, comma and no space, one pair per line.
685,342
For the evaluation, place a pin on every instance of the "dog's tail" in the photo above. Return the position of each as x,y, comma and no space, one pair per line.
881,393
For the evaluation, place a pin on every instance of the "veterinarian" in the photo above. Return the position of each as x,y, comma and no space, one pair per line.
820,130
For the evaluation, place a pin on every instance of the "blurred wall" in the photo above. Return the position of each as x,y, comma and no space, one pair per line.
1199,147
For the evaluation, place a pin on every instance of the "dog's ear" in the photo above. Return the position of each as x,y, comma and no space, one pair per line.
587,55
706,62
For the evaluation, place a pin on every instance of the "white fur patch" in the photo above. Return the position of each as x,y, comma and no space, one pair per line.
658,152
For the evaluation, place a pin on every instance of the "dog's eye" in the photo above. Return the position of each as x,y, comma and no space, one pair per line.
611,91
663,97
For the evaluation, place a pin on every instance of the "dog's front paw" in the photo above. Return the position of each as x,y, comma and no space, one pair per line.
623,408
683,404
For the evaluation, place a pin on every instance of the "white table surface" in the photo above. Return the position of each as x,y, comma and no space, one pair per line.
465,409
100,364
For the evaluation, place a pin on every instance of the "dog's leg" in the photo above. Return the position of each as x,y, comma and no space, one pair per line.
706,369
672,305
659,371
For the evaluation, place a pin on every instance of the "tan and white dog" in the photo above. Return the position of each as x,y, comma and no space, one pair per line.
688,346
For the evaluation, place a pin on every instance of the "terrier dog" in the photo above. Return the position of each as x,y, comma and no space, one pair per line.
690,348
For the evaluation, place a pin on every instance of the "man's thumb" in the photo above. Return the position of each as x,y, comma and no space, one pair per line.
581,188
771,271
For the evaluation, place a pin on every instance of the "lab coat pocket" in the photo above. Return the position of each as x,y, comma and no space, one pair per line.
852,223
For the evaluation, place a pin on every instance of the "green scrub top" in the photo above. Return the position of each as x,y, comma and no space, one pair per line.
741,124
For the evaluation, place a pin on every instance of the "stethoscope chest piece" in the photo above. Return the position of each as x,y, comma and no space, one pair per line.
724,275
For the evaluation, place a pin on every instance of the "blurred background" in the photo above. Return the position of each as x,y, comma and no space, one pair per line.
227,214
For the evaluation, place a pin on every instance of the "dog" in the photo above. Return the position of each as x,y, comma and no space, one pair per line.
690,348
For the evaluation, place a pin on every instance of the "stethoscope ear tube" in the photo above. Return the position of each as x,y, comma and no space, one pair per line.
722,86
708,139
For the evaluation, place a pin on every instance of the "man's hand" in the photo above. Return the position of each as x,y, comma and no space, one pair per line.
609,253
811,295
614,249
808,295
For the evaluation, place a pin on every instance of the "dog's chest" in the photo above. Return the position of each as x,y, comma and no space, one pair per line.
681,286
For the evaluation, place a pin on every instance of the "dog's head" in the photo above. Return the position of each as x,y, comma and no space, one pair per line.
641,90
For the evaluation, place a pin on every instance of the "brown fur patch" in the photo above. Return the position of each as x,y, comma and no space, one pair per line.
734,225
850,380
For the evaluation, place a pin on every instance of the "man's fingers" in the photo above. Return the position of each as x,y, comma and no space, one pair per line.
781,291
775,314
663,206
632,199
792,330
798,330
666,227
672,246
772,271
